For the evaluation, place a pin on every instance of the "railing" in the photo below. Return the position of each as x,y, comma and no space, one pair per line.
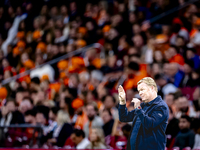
68,55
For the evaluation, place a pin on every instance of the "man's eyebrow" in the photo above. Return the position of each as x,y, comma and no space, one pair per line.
140,89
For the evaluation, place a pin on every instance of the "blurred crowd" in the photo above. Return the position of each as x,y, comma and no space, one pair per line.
75,100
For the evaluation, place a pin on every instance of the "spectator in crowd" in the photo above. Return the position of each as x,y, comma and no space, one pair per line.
134,75
191,55
79,141
80,114
35,84
30,117
172,129
108,122
53,112
187,79
26,104
94,121
109,103
185,108
174,74
10,115
185,137
118,137
197,135
169,100
62,130
65,105
126,129
42,116
164,87
44,70
97,140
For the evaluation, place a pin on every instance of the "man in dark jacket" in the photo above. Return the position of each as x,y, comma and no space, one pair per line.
149,118
185,137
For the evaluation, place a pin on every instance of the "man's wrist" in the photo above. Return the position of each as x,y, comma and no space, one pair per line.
122,102
138,107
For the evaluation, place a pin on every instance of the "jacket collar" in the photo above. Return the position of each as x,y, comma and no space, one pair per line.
153,102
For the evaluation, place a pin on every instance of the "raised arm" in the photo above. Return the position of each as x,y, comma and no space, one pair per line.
124,114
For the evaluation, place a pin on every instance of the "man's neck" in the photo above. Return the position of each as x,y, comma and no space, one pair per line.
152,98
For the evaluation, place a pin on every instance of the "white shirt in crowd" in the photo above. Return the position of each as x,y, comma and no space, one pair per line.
83,144
44,70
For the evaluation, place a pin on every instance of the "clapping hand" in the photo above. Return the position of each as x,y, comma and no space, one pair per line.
122,95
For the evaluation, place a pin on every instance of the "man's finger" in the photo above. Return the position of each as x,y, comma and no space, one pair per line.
135,100
121,89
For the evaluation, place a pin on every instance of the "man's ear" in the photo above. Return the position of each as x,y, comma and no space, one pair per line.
152,88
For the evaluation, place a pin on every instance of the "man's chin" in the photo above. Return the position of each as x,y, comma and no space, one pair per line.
144,100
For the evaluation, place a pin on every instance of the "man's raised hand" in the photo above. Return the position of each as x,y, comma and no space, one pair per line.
122,95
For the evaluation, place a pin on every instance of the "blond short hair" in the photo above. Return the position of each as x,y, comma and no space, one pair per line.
149,81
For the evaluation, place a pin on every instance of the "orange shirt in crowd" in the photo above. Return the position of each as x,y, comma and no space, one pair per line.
132,82
81,121
177,59
97,63
55,86
193,32
25,78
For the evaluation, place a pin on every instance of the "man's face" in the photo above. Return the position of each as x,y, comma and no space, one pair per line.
169,99
138,41
91,113
30,119
25,105
40,119
183,104
189,54
75,139
144,91
179,42
130,73
172,52
108,103
19,97
52,116
106,117
10,106
41,95
183,124
173,69
187,69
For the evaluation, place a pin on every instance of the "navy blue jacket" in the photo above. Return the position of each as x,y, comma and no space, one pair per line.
149,125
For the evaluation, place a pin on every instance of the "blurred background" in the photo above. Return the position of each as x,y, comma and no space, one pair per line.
63,60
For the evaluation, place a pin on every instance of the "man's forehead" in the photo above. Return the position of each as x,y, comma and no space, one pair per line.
141,85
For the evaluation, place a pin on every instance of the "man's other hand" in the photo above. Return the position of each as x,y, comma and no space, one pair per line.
136,102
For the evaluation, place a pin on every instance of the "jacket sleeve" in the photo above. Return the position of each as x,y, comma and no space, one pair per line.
191,139
158,115
124,114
